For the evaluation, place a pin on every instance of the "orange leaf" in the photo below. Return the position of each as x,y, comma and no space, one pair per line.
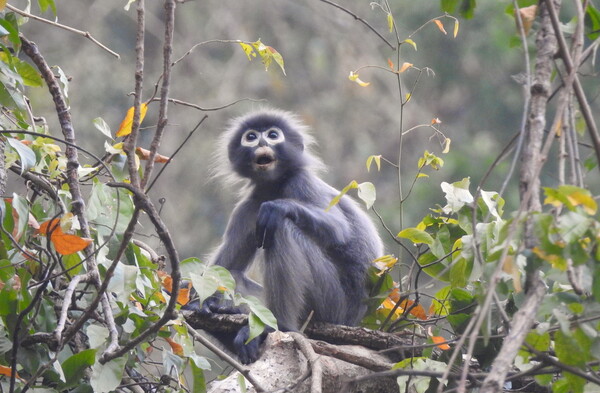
167,281
177,348
66,244
436,121
144,154
6,371
389,305
440,26
161,297
405,66
390,64
127,123
527,17
419,312
184,294
395,294
441,342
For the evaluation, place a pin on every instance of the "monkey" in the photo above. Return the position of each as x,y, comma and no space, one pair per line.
314,260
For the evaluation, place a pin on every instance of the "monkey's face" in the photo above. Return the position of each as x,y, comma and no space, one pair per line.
266,153
263,144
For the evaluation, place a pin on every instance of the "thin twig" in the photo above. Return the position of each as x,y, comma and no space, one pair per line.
210,109
64,27
586,111
164,91
172,156
361,20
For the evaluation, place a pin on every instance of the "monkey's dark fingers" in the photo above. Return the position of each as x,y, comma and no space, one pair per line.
248,353
266,224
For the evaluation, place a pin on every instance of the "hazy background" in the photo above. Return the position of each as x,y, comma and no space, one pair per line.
472,92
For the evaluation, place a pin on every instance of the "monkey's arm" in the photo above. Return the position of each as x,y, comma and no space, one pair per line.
326,228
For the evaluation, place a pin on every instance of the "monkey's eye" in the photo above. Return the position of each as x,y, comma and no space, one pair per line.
274,136
250,138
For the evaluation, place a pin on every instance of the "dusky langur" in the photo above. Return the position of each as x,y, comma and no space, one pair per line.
314,260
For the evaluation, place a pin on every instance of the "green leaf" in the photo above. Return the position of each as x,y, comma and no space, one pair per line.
12,31
102,126
106,377
75,366
263,314
449,6
459,273
31,77
198,378
64,83
367,193
97,335
539,341
457,195
592,21
21,207
257,327
207,282
122,284
416,236
26,155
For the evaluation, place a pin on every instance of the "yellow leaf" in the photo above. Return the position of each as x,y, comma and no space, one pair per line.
385,262
353,184
405,67
446,145
127,123
390,21
411,42
440,26
455,28
377,162
511,268
354,78
277,57
407,97
248,50
422,175
586,201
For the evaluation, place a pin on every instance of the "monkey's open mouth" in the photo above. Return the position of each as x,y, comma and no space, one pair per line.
264,161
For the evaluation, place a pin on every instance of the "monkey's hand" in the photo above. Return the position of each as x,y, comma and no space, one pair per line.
214,304
270,216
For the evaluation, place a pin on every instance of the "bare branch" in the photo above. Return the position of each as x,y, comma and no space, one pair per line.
225,357
361,20
164,91
61,26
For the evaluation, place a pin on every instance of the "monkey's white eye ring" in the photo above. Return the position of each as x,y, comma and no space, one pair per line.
273,136
250,138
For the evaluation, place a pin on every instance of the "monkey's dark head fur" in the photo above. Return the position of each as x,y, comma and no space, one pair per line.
266,146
